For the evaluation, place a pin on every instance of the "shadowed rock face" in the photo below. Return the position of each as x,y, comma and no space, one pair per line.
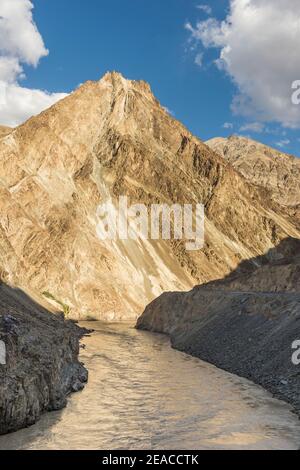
112,138
40,366
245,323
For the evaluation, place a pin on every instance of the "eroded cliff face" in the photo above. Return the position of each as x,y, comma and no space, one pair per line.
108,139
39,363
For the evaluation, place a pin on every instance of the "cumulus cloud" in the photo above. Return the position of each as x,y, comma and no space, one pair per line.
20,43
199,59
283,143
257,127
259,49
227,125
168,110
205,8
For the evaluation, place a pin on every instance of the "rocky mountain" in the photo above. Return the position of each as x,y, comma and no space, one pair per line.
265,167
108,139
4,131
245,323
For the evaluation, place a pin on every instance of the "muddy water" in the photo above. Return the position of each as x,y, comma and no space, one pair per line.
144,395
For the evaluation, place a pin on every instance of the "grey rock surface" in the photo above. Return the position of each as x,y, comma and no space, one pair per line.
41,361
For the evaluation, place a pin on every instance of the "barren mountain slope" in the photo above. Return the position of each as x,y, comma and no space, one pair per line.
5,131
112,138
263,166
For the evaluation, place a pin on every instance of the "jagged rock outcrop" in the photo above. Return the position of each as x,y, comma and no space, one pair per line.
245,324
40,366
112,138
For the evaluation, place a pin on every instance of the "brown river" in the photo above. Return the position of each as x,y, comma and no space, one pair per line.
144,395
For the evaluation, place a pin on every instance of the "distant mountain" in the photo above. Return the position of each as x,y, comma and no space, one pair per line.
108,139
264,167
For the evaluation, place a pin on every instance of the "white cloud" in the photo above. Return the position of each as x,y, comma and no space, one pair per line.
283,143
168,110
259,46
257,127
228,125
20,43
18,104
10,69
205,8
199,59
19,36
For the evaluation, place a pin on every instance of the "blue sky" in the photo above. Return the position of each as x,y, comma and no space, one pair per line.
142,39
149,40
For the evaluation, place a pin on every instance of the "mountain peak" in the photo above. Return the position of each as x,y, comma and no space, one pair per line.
117,80
113,78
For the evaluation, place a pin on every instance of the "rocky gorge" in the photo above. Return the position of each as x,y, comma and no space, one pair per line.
112,138
108,139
